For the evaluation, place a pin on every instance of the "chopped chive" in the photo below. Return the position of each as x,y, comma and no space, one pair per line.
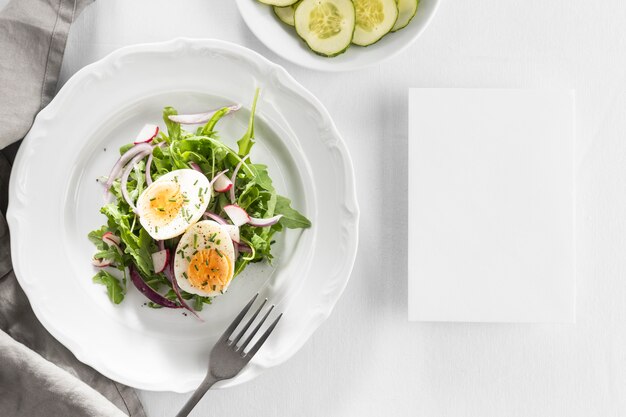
214,287
185,275
188,259
219,241
196,267
186,245
219,253
195,182
160,208
206,262
195,241
153,198
172,200
156,229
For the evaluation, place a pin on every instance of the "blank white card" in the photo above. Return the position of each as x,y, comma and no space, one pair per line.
491,205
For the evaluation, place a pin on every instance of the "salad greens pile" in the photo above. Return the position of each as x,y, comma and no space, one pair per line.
123,243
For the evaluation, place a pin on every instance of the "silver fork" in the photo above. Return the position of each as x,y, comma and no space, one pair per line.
227,359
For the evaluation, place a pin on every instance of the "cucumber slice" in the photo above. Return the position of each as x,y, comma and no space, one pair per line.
285,14
374,19
279,3
406,12
326,25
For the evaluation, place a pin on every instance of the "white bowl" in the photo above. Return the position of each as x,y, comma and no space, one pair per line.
284,41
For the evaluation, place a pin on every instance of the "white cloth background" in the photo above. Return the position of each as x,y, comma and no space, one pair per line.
390,366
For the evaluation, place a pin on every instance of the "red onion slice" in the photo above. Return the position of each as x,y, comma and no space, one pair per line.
123,160
169,273
198,118
196,167
264,222
215,217
146,290
124,180
244,248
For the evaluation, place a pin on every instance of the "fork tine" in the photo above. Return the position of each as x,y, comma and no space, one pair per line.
237,320
262,339
248,324
256,329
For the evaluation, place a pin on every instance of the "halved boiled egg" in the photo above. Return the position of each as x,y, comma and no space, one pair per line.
173,202
204,262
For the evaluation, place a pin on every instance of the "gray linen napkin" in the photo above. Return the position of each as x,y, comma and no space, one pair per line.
33,34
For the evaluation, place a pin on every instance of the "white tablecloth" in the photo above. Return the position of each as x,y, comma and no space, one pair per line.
390,366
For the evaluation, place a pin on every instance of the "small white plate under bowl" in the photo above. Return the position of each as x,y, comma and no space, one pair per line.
283,40
55,201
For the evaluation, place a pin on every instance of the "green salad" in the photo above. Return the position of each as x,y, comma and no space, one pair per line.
188,213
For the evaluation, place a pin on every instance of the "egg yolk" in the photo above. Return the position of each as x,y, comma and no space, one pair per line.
164,202
209,270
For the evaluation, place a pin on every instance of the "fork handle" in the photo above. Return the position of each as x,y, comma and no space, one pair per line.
208,382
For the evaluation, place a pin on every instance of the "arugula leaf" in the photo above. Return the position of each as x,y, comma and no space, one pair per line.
173,128
291,219
95,237
247,140
208,129
140,247
114,288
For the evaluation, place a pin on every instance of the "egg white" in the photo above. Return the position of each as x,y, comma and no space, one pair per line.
204,231
195,186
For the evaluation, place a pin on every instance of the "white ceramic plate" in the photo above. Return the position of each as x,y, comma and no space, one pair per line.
284,41
55,200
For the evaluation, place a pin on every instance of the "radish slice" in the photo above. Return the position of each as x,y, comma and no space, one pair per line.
146,290
146,134
197,118
218,175
123,160
215,217
101,263
233,232
222,183
111,239
160,260
236,214
264,222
